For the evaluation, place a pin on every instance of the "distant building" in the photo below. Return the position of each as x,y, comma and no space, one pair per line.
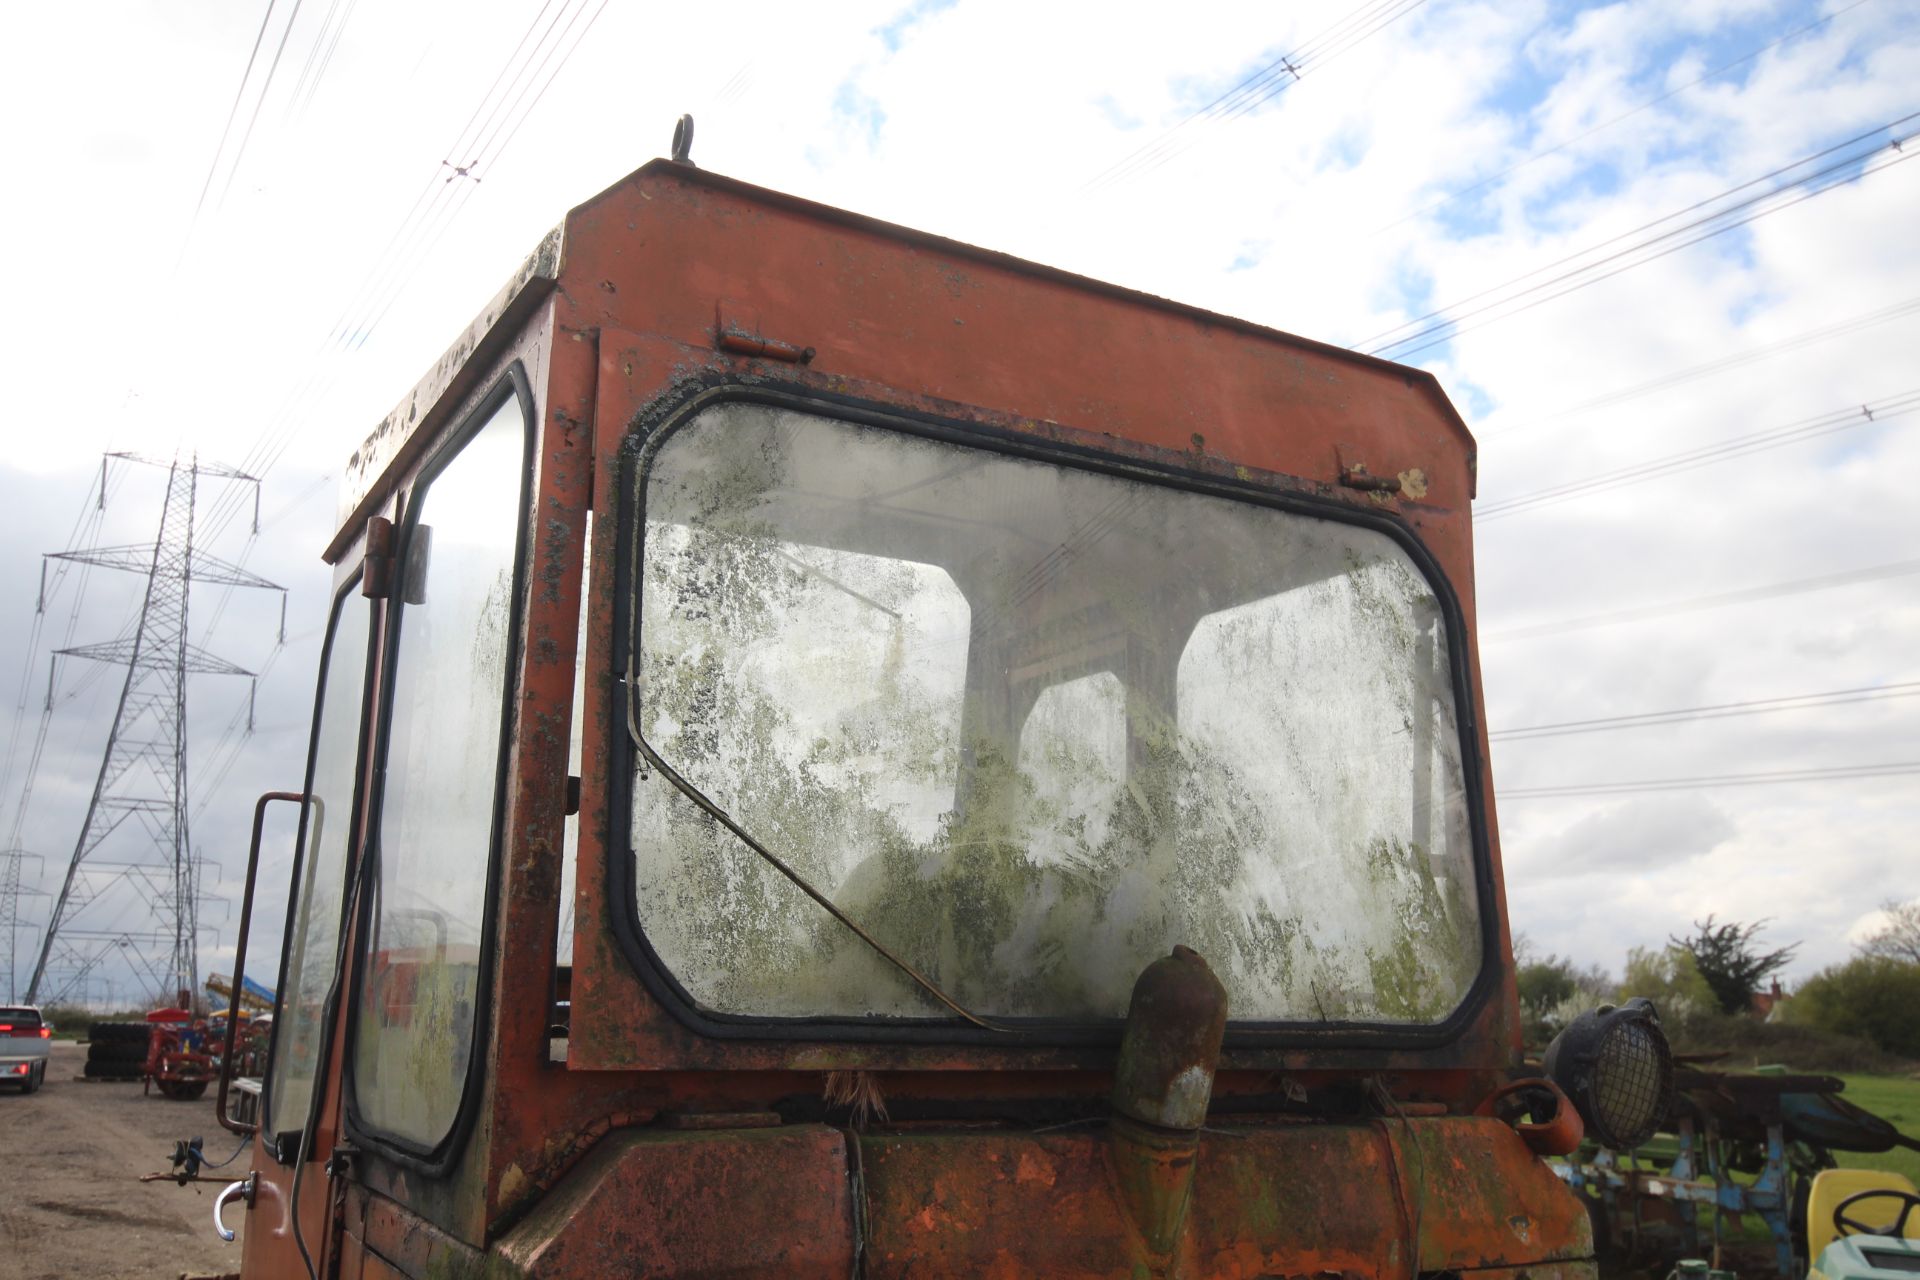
1767,1003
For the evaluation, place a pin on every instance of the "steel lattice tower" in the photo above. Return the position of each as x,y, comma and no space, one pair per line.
12,889
143,771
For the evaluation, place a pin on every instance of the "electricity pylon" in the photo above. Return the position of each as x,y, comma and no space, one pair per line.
143,771
13,888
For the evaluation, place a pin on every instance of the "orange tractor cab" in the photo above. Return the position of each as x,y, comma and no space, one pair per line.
842,753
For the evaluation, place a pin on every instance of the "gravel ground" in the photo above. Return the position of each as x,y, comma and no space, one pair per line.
71,1203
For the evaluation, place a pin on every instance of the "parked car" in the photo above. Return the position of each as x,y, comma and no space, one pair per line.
25,1038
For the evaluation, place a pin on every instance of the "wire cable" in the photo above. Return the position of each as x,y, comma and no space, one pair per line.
1261,86
1752,355
1718,600
1712,711
428,221
233,112
1499,302
1768,778
266,87
1857,141
319,377
1826,424
319,53
1650,103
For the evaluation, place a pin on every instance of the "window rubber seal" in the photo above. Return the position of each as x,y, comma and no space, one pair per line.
277,1140
433,1160
653,425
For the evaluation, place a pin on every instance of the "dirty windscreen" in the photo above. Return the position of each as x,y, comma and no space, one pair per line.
1032,725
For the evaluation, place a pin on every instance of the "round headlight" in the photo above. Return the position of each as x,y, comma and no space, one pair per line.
1615,1065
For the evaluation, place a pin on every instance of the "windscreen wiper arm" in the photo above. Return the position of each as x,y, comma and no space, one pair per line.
780,864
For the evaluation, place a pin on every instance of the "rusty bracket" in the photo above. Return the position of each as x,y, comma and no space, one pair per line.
746,339
1357,477
1355,474
376,570
340,1163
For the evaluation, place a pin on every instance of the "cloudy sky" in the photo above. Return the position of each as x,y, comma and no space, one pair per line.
1662,255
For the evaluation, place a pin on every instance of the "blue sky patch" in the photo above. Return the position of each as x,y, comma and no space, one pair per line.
894,33
860,110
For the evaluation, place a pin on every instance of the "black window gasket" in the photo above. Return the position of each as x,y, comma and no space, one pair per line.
675,410
433,1160
284,1143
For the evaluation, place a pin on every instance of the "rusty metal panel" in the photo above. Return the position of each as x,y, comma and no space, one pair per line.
394,1242
1308,1199
771,1202
1486,1200
982,319
372,470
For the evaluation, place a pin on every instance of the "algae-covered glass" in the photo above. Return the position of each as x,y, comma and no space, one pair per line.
1032,724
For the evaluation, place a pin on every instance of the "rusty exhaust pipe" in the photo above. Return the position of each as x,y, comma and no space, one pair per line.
1162,1086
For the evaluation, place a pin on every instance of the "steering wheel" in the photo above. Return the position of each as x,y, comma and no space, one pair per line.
1846,1225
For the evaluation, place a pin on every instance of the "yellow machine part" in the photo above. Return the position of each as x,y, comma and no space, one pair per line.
1831,1186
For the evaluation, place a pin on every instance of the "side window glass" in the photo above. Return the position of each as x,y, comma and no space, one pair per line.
570,832
440,787
313,936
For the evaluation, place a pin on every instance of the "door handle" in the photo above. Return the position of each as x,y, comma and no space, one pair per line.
244,1188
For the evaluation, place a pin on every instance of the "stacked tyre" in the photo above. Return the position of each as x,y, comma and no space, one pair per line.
116,1050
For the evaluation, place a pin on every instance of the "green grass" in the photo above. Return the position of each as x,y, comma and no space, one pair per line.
70,1021
1895,1099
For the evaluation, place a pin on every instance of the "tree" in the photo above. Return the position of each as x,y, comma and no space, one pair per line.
1875,997
1545,985
1595,983
1730,962
1524,950
1899,938
1667,976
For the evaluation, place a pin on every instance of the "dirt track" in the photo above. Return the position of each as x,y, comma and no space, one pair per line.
71,1204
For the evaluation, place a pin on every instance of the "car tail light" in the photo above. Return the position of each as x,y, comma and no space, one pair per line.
19,1070
46,1033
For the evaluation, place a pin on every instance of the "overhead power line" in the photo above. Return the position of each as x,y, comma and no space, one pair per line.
496,120
233,112
1262,86
1806,338
1826,424
266,86
1604,125
1767,778
1712,711
1718,600
1843,163
320,53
